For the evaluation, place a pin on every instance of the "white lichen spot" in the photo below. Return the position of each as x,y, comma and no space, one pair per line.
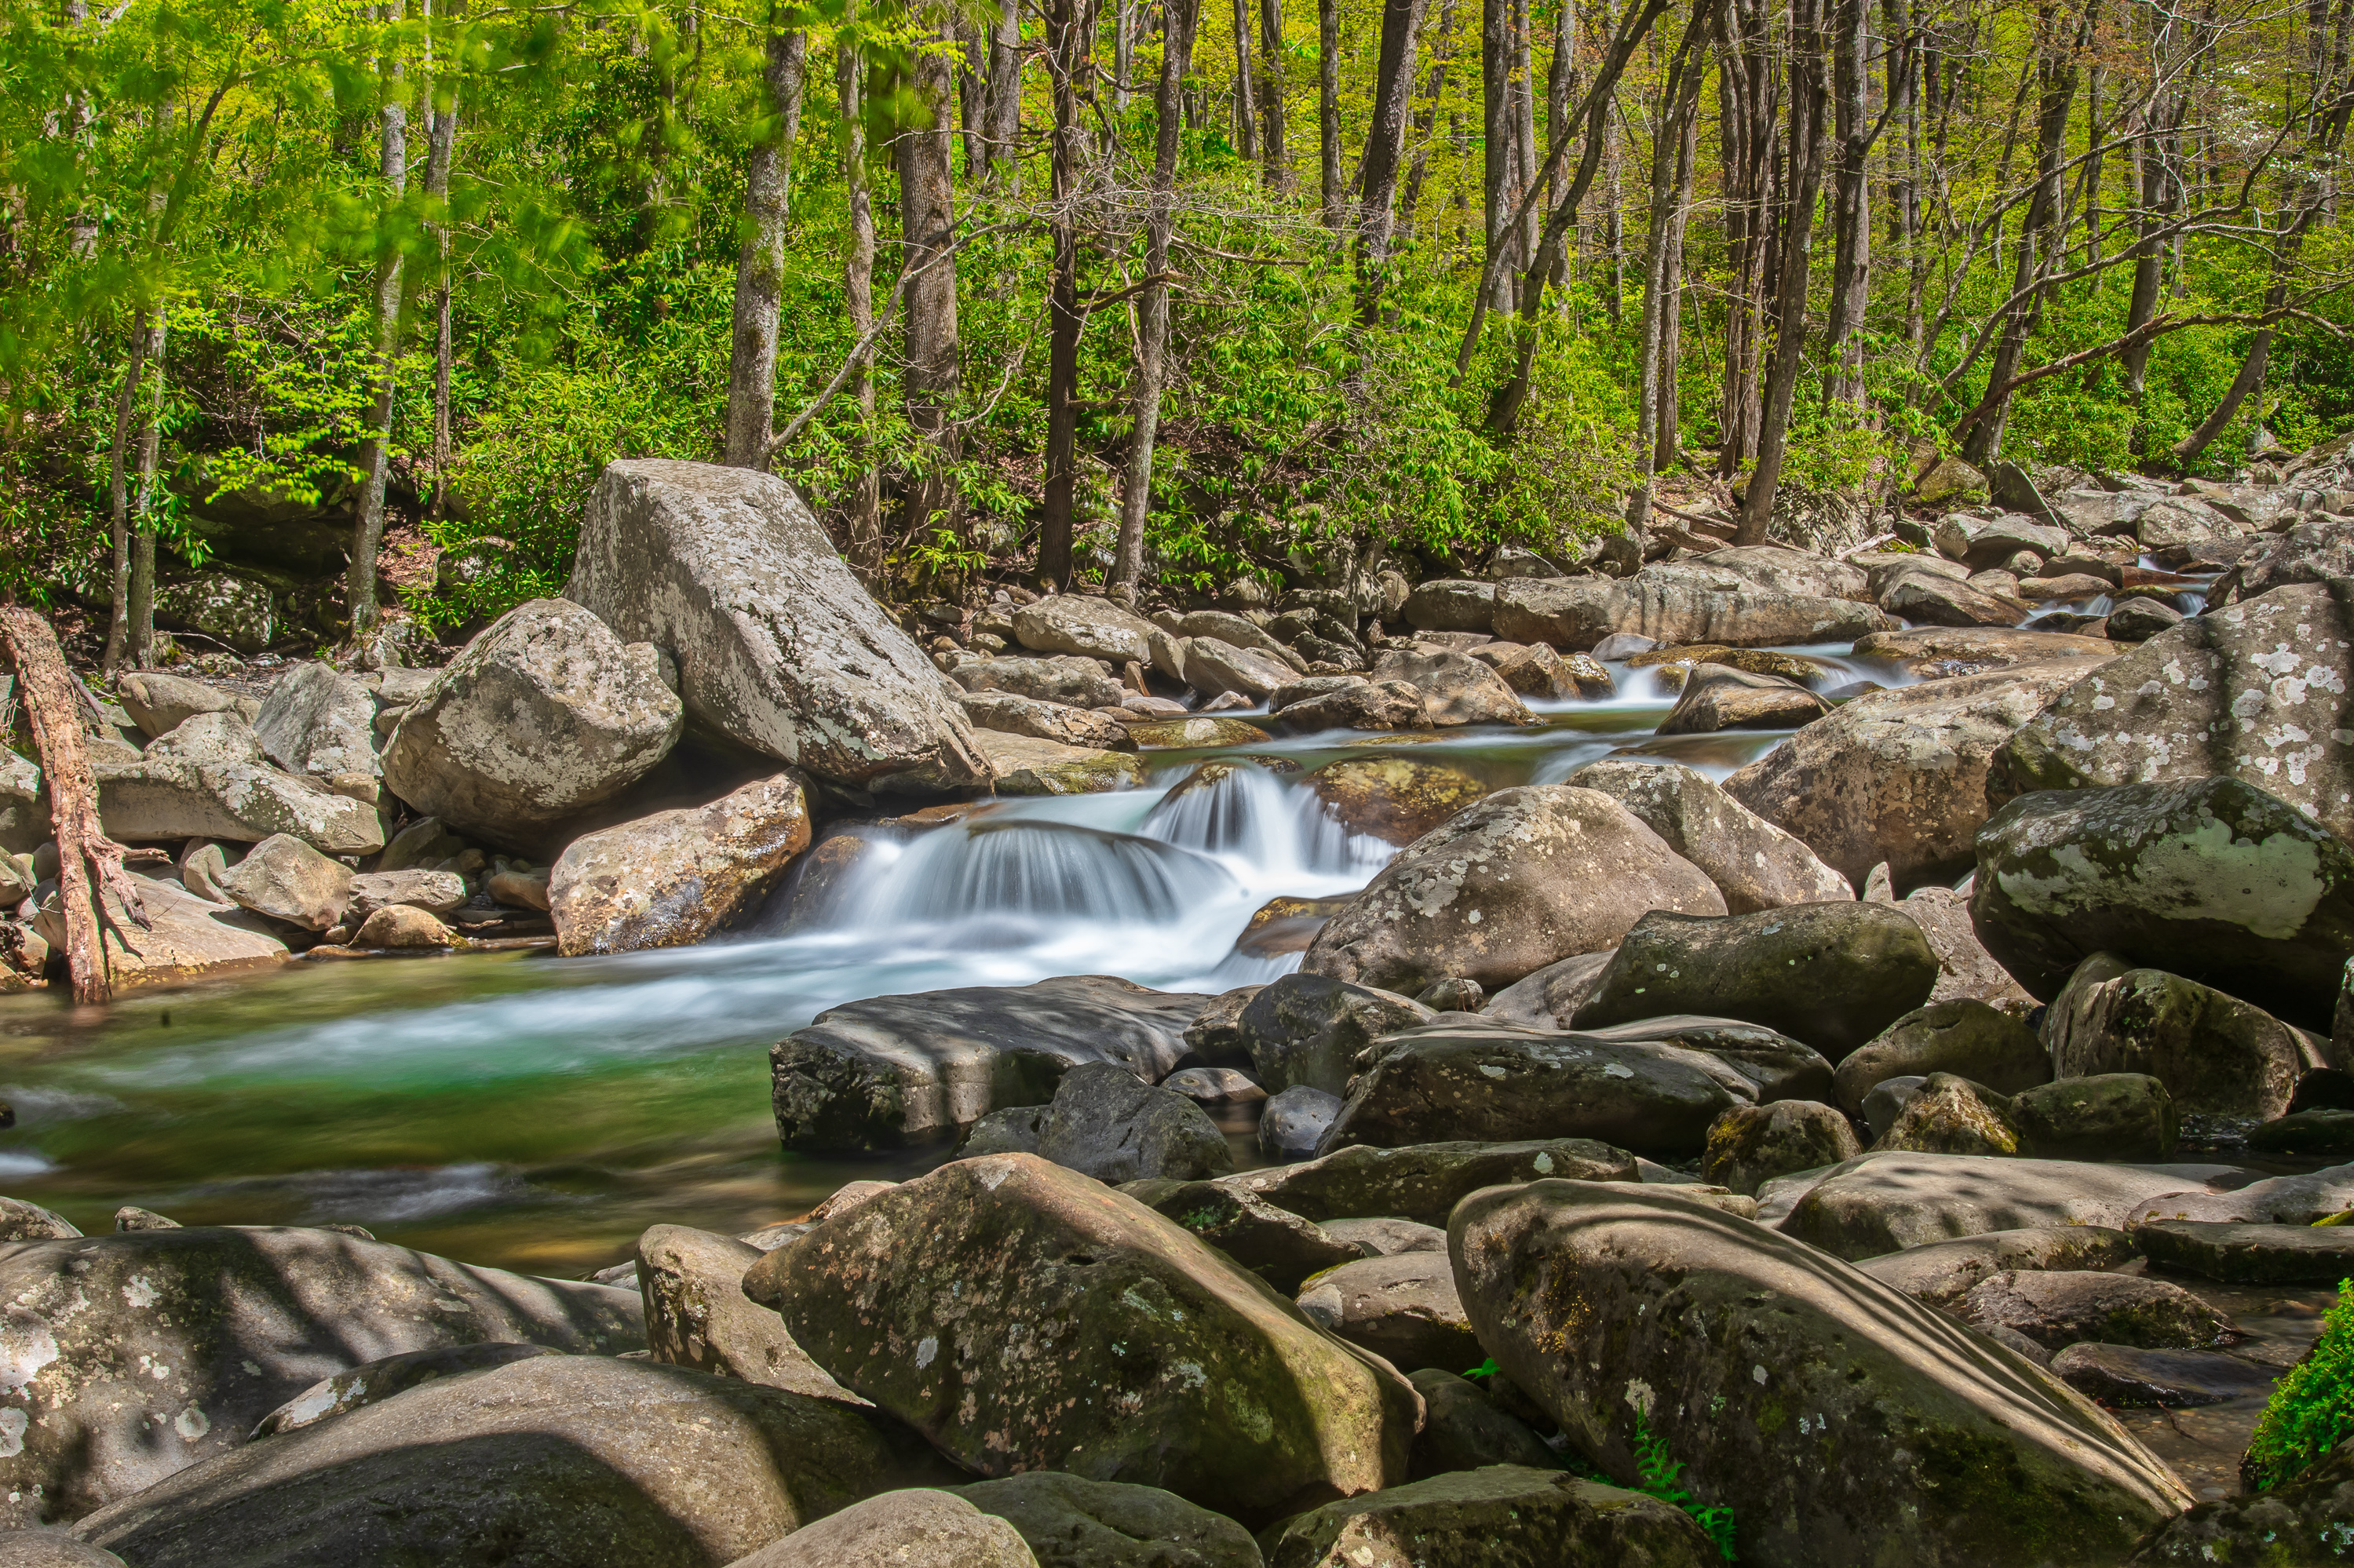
927,1349
1542,1164
1759,1373
1616,1070
1640,1395
139,1293
13,1424
1491,1070
192,1424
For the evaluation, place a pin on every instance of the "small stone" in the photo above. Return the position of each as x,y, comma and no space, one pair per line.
399,925
1294,1122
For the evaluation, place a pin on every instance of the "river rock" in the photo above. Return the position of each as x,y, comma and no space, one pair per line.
157,702
1292,1124
1463,1429
1359,704
1496,1514
1938,653
1979,543
672,879
1403,1307
207,778
2258,691
2300,1200
1214,665
1762,1063
1387,1237
2311,552
1157,1360
697,1314
2109,1115
1966,1038
1239,633
1457,1080
1717,698
1575,613
372,1382
2059,1308
1085,625
1550,997
185,938
1308,1030
52,1549
21,1220
137,1354
1966,970
1938,1273
551,1462
1540,672
1931,597
1274,1244
1197,732
2139,620
1069,1522
779,647
1614,1305
1946,1115
1748,1146
1832,975
1879,1203
917,1528
544,714
2213,880
2322,1132
437,893
1067,681
318,720
1424,1182
1009,714
1104,1123
2125,1375
1778,567
1455,688
916,1069
399,926
1898,775
1450,604
2250,1253
286,879
1394,799
1516,881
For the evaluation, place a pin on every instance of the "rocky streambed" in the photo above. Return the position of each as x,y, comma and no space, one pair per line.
1847,1053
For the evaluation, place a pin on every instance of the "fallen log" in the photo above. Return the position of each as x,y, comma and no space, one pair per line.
89,865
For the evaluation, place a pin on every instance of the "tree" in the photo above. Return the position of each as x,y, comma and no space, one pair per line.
760,269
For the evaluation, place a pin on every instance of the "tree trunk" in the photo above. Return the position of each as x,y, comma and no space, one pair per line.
1748,98
1064,321
1394,82
375,450
1498,150
118,617
760,264
928,223
1005,92
1274,148
1153,322
89,865
441,149
1328,111
1851,204
1123,52
1425,121
140,647
2160,195
1246,90
1670,181
863,505
1524,125
1808,93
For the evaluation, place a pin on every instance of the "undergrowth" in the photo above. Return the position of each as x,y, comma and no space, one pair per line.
2312,1411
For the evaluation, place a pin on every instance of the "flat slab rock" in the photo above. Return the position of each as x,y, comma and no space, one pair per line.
1938,1273
2251,1254
2131,1375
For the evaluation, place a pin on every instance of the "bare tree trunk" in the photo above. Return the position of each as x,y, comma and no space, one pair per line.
1670,181
1273,150
1499,148
2160,193
933,377
1246,92
1328,111
118,619
1426,122
140,629
760,265
864,505
1123,51
1064,321
973,88
1904,55
375,450
1851,204
1808,93
1667,443
1004,126
1614,223
441,152
1394,82
1748,100
1152,324
1524,124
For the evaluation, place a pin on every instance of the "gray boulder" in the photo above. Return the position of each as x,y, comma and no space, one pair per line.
1085,625
1009,714
2250,1253
286,879
2109,1115
673,878
1748,1146
1308,1030
1359,704
2313,1508
1066,680
1967,1039
1899,775
1069,1522
1450,604
1575,613
1424,1182
1946,1115
1517,881
1233,628
697,1314
2213,880
1464,1429
1938,1273
2258,691
1292,1124
1878,1204
1966,970
1386,1238
2058,1308
185,937
435,892
208,779
1550,997
157,702
140,1354
1564,1282
550,1462
1394,798
778,646
544,714
919,1527
1832,975
1929,598
1274,1244
2139,620
21,1220
1455,688
318,720
1214,665
2311,552
1105,1123
1980,542
1717,697
52,1549
2298,1200
1402,1307
1497,1514
909,1070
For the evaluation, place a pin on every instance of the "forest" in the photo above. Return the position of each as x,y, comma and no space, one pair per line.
341,308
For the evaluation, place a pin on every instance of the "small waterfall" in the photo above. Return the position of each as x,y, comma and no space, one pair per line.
1272,833
998,878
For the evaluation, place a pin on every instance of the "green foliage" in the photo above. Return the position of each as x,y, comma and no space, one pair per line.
2312,1411
1658,1476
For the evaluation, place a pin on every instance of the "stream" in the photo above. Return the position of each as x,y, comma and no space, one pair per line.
537,1113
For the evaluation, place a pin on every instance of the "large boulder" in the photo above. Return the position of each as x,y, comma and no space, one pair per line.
920,1527
1009,714
697,1314
1833,975
1105,1123
318,720
1749,1146
1026,766
208,779
2213,880
1967,1039
1214,665
1450,604
2215,1053
1402,1307
157,702
911,1070
1073,1523
2311,552
1514,882
544,714
1310,1030
1779,568
549,1462
1575,613
287,880
133,1356
672,879
1718,697
185,937
1879,1203
1966,970
1497,1514
1022,1316
1899,775
2259,1527
1838,1419
1083,624
1924,596
1937,1274
1455,688
1424,1182
2258,691
1394,798
779,647
1065,680
2063,1307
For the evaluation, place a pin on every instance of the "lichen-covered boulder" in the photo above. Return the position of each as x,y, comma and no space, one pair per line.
1087,625
1009,714
2215,1053
2108,1115
1498,1514
2058,1308
1881,1202
544,714
1073,1523
2214,879
287,880
1748,1146
1025,766
1400,1307
1514,882
1946,1115
1022,1316
1966,1038
672,879
208,779
697,1314
1717,697
779,647
1839,1420
318,720
1753,864
1455,688
1065,680
1575,613
1394,798
1308,1030
130,1357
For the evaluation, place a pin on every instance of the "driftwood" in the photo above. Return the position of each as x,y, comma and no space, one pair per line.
89,865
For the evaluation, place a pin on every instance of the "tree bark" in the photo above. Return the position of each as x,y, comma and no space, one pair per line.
1394,82
1426,120
1005,93
1851,204
1063,317
441,149
1245,88
1670,184
933,377
140,631
1808,92
1748,97
1152,314
1328,111
1499,148
760,264
118,617
1274,151
863,505
89,865
375,450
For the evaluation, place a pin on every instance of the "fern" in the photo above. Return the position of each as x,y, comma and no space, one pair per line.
1658,1476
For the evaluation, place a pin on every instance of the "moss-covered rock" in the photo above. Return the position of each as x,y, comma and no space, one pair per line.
2215,1053
2110,1116
1748,1146
1968,1038
1948,1115
2058,1308
1394,798
1488,1518
1426,1181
